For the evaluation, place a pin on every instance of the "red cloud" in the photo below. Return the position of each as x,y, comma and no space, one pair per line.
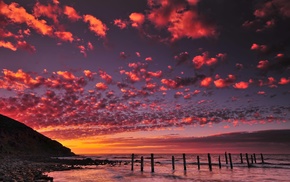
50,11
88,74
20,79
206,82
284,81
90,46
7,45
137,19
262,48
169,83
241,85
105,76
148,59
120,23
24,45
101,86
263,64
156,74
18,14
66,75
65,36
220,83
133,76
179,21
82,50
261,93
200,60
71,13
96,25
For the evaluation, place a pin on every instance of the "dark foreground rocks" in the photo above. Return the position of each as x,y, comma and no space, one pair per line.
34,169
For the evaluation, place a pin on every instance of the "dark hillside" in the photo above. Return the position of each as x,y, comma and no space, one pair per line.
18,139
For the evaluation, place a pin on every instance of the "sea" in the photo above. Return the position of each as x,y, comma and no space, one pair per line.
276,167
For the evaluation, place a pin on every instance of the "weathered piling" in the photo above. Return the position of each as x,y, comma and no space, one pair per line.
209,162
226,157
255,158
132,162
220,165
262,158
231,163
252,160
184,162
247,158
173,163
241,156
142,164
198,163
152,163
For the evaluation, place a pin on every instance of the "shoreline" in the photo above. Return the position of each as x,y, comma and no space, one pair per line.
31,168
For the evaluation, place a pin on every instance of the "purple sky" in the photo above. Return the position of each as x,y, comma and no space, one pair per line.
96,72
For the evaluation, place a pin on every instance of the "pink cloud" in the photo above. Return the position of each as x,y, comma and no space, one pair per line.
169,83
101,86
7,45
66,75
137,19
261,93
82,50
241,85
148,59
96,25
284,81
89,74
204,59
186,23
263,64
24,45
138,54
120,23
221,83
71,13
206,82
90,46
18,14
65,36
261,48
50,11
105,76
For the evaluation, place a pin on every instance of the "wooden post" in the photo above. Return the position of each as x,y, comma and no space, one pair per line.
231,163
220,165
247,158
255,158
226,156
152,163
132,163
184,162
173,163
241,156
198,163
262,158
142,164
209,162
252,160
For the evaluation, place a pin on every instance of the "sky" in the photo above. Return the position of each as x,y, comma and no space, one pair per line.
162,76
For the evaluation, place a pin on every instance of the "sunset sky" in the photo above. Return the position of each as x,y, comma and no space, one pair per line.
149,76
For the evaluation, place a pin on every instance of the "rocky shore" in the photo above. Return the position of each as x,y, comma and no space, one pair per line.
20,170
34,169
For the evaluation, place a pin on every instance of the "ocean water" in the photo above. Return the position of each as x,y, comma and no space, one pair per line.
275,168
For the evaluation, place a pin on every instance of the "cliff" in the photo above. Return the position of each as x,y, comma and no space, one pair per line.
18,139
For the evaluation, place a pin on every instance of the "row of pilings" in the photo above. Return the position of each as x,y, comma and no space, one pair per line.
228,161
